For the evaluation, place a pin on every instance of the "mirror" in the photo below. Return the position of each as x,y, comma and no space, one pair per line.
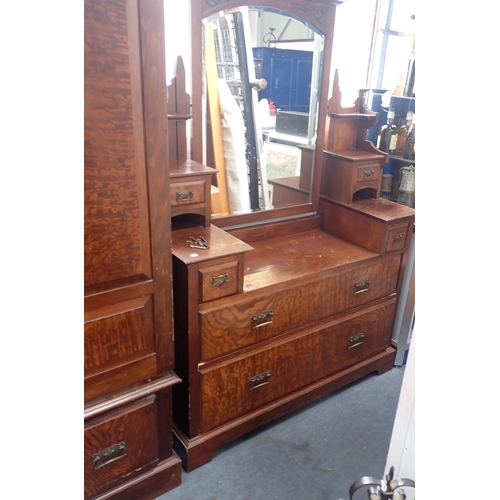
264,65
262,74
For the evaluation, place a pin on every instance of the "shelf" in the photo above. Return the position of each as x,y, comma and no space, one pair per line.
189,167
355,116
400,158
355,155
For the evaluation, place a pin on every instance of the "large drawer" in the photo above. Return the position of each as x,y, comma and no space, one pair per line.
231,389
119,445
246,321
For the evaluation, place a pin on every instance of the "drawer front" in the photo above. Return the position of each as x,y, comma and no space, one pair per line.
368,172
233,389
248,321
119,445
396,238
185,193
219,281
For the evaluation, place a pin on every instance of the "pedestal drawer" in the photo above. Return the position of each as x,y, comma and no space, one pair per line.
231,389
185,193
119,444
245,321
220,280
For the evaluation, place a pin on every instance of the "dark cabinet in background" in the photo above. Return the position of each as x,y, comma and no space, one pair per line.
288,75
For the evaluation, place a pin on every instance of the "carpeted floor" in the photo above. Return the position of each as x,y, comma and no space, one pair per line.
314,453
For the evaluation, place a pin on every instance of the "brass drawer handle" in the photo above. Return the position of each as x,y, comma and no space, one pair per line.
220,280
259,380
263,318
109,455
362,286
186,195
369,174
398,237
355,340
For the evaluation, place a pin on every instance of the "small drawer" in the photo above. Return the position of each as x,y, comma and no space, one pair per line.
367,173
119,445
186,193
396,238
219,281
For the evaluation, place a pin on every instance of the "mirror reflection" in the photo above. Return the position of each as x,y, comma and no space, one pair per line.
262,73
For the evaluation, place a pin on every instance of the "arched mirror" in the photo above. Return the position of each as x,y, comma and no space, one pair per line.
260,84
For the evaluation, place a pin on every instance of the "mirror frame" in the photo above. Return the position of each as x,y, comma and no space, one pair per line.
320,14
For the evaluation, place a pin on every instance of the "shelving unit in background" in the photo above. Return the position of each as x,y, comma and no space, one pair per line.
405,316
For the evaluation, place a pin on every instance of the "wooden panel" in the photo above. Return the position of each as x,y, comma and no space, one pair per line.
119,445
225,329
116,207
367,222
287,366
119,346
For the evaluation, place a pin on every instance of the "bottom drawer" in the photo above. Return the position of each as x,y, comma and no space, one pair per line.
118,444
232,389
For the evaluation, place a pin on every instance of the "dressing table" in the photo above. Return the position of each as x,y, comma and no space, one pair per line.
285,305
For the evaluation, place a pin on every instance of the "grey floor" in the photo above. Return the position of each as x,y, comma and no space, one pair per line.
314,453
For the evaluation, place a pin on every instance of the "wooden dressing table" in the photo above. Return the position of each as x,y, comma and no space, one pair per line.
287,306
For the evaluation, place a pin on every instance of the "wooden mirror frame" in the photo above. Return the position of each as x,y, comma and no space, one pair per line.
321,15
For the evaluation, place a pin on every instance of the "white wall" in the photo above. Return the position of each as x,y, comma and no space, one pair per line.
401,454
178,37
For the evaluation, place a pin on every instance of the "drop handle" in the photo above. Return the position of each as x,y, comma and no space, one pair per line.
259,380
398,237
362,286
355,340
185,195
220,281
263,318
369,174
109,455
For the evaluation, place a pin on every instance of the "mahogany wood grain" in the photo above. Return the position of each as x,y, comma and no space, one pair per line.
226,325
134,426
253,233
150,484
301,359
116,231
139,391
145,435
370,223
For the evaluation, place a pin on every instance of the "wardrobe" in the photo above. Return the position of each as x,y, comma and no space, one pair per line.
128,331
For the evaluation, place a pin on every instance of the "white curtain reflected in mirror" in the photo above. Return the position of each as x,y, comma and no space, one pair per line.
262,73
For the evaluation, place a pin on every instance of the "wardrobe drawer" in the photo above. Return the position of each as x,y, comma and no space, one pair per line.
245,321
229,390
185,193
119,445
219,281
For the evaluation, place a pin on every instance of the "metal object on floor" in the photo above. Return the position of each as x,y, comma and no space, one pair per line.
380,489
